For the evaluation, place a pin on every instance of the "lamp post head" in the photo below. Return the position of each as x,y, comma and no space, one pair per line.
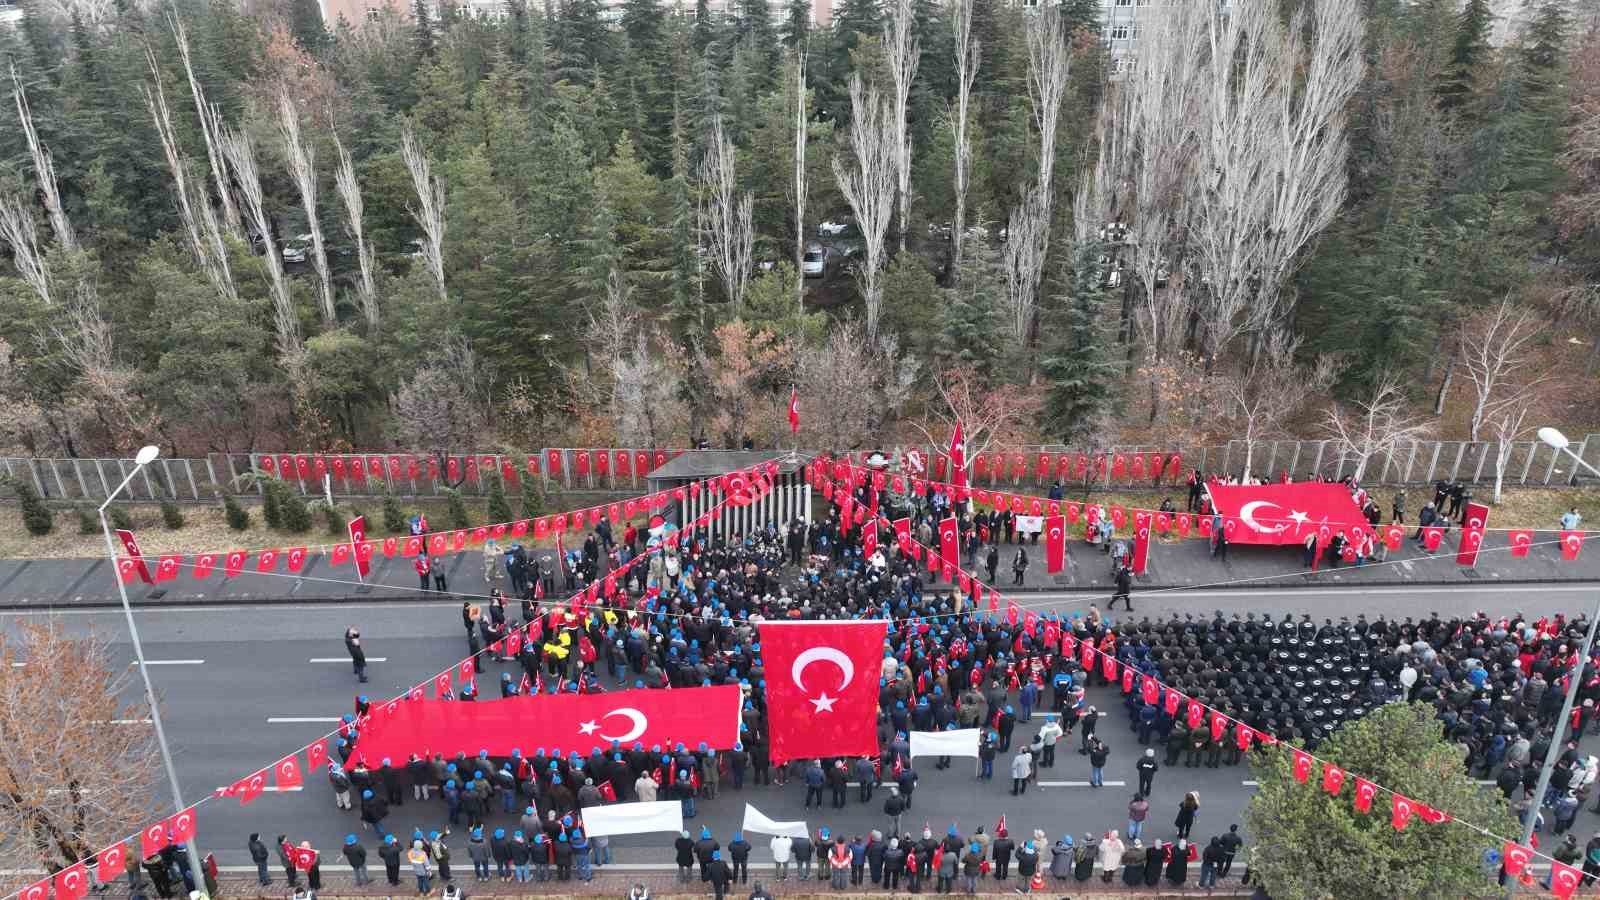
1553,437
147,455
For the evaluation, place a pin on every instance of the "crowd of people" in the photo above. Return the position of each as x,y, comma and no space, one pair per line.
693,619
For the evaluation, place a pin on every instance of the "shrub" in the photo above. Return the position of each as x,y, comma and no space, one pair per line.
394,518
293,510
171,515
87,523
532,497
499,509
271,502
333,520
120,518
238,517
36,516
457,510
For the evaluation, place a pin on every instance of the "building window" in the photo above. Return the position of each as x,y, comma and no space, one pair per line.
1119,32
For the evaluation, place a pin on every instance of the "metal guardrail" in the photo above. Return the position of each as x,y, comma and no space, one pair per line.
413,474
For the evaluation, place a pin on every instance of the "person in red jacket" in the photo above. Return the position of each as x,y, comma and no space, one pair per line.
423,567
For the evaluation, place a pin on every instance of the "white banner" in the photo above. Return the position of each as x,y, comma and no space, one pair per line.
945,743
634,818
756,823
1029,524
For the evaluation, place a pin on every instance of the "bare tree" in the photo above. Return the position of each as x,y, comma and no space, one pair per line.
868,184
20,233
968,53
856,383
608,338
726,217
649,392
441,403
429,211
344,180
1507,428
1265,395
302,157
1494,353
1028,230
206,242
44,167
902,53
1027,240
70,782
241,155
1373,426
210,128
800,136
991,414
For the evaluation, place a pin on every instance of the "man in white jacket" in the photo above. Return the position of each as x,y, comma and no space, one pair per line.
1050,733
780,855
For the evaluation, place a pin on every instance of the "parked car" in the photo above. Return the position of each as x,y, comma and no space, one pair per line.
297,249
814,262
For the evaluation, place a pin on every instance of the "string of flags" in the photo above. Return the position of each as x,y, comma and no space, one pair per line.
359,467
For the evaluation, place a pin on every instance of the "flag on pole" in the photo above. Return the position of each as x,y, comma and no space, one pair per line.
794,410
958,457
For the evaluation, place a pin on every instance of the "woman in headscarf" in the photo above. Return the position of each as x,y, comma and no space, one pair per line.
1111,848
1154,858
1178,866
1133,864
1083,862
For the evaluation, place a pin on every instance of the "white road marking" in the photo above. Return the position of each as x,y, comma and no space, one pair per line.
345,659
1251,783
281,790
171,662
296,720
130,722
1081,784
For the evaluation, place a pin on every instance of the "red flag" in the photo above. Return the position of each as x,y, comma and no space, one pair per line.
181,826
467,669
267,560
1393,534
869,539
233,564
902,534
1332,778
1173,697
1402,809
1302,765
994,600
304,858
1365,791
958,457
167,567
1184,520
1243,734
1141,542
1219,724
109,863
949,543
317,755
340,555
203,564
154,837
1431,536
1108,666
1516,857
1564,879
1277,513
1150,689
39,890
794,410
72,882
131,544
608,792
1127,679
1196,713
1467,553
248,788
1055,544
1521,542
441,684
287,773
1432,816
822,687
1571,543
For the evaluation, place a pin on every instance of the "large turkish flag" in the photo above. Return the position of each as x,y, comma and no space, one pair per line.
949,546
1284,513
822,687
1055,543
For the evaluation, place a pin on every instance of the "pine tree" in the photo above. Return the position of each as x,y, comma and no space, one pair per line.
705,30
584,45
972,331
796,29
1470,47
687,311
424,29
307,27
754,30
1080,362
499,510
36,516
394,518
238,517
455,509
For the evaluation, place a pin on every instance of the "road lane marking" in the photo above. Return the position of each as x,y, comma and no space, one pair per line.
130,722
1248,783
274,788
296,720
345,659
170,662
1081,784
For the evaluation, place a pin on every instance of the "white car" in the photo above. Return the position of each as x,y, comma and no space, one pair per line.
297,249
833,228
814,262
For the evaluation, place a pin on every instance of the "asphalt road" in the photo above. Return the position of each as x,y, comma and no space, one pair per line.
241,686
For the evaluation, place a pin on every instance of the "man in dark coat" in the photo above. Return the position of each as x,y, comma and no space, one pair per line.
717,872
358,656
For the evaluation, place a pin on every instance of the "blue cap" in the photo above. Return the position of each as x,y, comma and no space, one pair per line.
529,810
433,835
386,761
366,793
705,831
517,835
388,839
363,699
499,832
349,839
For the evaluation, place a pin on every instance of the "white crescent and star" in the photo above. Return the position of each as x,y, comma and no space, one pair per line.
1248,511
822,702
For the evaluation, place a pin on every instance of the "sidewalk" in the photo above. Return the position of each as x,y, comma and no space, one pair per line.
87,583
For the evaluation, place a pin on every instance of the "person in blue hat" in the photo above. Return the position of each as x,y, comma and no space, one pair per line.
478,852
356,856
374,810
390,852
500,850
521,853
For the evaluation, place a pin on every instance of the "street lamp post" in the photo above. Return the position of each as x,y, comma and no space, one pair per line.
144,458
1559,441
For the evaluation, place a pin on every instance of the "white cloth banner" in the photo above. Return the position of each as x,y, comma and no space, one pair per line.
756,823
963,742
634,818
1029,524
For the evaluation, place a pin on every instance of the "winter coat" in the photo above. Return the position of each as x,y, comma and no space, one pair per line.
1110,854
1061,859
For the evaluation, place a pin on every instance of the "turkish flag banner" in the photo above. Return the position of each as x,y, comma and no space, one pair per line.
1118,517
1401,808
1571,543
233,564
72,883
958,458
1280,513
267,560
1108,666
39,890
131,544
317,755
1365,791
1141,542
203,564
248,788
1521,542
286,773
1149,689
1564,879
1127,680
304,858
1332,778
1219,724
1172,701
167,566
949,542
1184,523
357,528
1431,536
1243,734
1086,658
1393,534
1471,541
822,687
1195,714
340,555
181,826
154,837
1055,544
902,534
441,685
1516,857
108,864
1302,766
567,722
869,540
